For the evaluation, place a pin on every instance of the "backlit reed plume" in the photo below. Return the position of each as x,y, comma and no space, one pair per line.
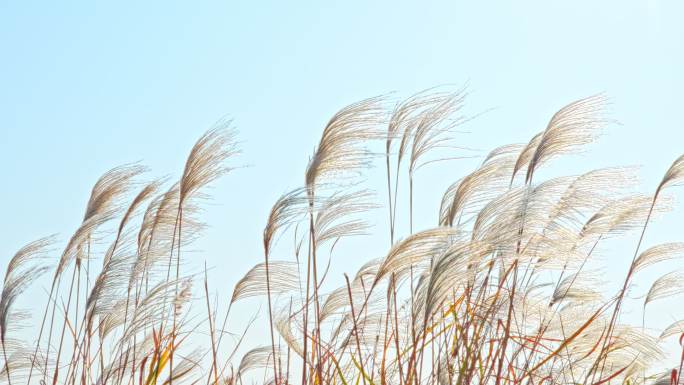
341,153
22,270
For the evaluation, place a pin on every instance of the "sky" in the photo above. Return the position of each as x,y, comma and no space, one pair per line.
86,86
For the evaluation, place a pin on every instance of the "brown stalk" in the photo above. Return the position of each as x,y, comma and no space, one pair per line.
356,329
211,327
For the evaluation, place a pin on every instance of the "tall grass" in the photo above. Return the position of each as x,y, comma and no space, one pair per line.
502,290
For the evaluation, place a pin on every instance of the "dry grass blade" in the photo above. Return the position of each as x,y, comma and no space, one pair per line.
406,116
144,194
157,231
74,249
257,358
668,285
283,276
674,329
21,272
341,149
360,286
151,310
659,253
27,254
526,155
446,204
433,124
505,150
110,285
113,318
19,276
589,192
284,324
288,209
570,128
206,160
620,216
673,176
475,189
110,188
414,251
104,203
451,272
577,288
332,219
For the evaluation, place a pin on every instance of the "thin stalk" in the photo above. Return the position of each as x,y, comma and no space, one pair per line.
396,196
621,295
174,331
270,311
4,353
64,324
396,328
211,325
356,329
305,343
389,197
507,329
410,202
317,332
168,277
78,289
52,322
40,332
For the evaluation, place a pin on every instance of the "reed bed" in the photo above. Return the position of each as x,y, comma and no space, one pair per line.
501,291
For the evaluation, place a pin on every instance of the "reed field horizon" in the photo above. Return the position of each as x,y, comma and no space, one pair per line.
506,287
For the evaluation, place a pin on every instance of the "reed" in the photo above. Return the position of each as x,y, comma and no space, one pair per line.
501,290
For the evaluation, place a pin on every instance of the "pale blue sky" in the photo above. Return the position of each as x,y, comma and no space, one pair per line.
85,86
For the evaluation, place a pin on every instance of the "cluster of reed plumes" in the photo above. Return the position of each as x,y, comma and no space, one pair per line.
500,291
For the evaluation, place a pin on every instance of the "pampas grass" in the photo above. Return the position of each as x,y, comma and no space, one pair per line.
502,290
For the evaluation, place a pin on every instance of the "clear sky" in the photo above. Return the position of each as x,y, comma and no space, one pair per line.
86,86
